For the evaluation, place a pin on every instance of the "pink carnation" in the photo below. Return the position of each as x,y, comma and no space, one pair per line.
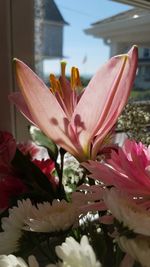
128,169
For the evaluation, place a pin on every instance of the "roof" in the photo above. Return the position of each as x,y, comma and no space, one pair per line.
123,16
131,26
135,3
52,12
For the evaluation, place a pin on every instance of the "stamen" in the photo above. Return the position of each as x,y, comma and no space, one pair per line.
78,78
63,68
59,88
75,78
55,85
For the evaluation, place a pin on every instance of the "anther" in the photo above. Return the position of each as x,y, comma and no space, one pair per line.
63,68
75,78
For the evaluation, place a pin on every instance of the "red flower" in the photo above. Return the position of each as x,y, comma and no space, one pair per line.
29,148
7,148
47,167
10,186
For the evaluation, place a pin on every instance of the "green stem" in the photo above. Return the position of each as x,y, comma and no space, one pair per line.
41,249
108,261
59,169
62,153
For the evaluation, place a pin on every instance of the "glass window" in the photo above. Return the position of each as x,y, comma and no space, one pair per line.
146,53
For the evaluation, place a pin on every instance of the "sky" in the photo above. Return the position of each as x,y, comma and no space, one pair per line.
77,45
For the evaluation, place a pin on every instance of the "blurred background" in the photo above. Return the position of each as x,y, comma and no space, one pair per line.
86,35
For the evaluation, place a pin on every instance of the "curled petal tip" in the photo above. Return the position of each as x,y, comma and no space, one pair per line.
19,62
16,60
134,49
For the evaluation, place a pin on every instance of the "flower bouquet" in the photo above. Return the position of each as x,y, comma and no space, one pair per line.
74,197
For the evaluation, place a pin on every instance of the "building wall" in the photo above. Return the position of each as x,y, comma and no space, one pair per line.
143,74
118,48
52,40
38,35
38,27
48,37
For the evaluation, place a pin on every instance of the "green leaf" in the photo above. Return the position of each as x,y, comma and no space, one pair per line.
119,254
42,140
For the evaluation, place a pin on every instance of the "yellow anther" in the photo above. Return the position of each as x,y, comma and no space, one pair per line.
55,85
75,78
63,68
73,83
78,78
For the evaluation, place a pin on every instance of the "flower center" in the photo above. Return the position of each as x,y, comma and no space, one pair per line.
58,86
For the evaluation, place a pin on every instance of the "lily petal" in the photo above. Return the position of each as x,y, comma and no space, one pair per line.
67,95
120,98
21,105
115,79
45,109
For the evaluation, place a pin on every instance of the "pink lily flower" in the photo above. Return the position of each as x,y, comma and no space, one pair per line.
128,169
77,122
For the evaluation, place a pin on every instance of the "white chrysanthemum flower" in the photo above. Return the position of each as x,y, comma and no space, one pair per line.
12,226
51,218
43,218
13,261
138,248
75,254
9,241
127,212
